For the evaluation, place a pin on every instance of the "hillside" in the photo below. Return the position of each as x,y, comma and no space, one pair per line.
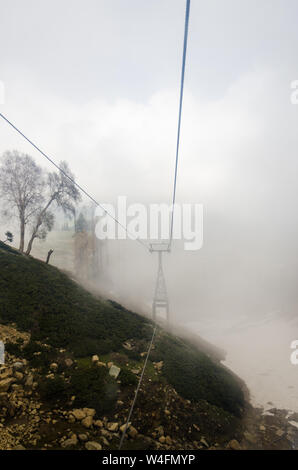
186,395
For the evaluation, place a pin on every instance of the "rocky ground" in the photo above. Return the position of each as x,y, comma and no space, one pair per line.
162,419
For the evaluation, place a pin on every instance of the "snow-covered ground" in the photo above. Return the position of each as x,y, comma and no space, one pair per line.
260,352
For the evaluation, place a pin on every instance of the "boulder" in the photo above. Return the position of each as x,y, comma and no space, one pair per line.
132,432
78,414
114,371
234,445
71,442
68,362
92,445
87,422
113,427
6,383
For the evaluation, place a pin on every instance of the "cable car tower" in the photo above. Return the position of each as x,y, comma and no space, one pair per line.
160,300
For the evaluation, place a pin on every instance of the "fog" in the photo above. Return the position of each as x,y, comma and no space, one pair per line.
97,85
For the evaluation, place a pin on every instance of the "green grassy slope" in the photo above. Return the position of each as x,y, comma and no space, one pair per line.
57,311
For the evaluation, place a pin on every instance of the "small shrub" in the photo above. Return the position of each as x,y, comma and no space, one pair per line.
93,388
127,377
53,390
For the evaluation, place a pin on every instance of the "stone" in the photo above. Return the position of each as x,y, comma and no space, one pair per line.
113,427
104,441
114,371
98,423
19,447
158,365
92,445
54,366
95,358
87,422
89,412
29,381
78,414
72,441
83,437
162,439
132,432
234,445
250,438
18,365
68,362
19,376
204,442
101,364
123,427
6,383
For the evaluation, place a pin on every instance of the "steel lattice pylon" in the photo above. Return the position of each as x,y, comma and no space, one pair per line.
160,299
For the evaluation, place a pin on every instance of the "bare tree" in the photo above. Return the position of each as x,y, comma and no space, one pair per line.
62,193
21,184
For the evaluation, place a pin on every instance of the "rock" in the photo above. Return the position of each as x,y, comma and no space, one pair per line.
78,414
89,412
204,442
160,431
18,365
101,364
19,447
234,445
158,365
104,441
110,364
250,438
132,432
54,366
114,371
123,427
136,371
29,381
262,428
113,427
83,437
279,432
6,383
92,445
168,440
72,441
162,439
95,358
98,423
19,376
87,422
68,362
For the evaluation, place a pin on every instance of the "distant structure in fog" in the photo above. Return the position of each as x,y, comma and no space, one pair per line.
88,249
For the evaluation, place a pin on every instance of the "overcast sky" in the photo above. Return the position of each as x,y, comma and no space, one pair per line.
96,83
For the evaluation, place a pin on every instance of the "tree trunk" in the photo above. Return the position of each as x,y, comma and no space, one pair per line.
22,235
29,247
48,257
